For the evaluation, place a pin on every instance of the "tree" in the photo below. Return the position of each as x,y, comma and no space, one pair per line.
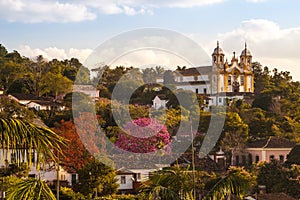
143,135
168,184
3,51
235,132
30,189
75,155
20,138
12,109
55,84
97,179
236,182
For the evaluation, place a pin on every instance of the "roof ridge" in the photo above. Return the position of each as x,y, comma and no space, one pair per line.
269,139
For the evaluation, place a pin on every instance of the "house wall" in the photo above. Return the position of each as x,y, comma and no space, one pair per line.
37,106
128,185
263,153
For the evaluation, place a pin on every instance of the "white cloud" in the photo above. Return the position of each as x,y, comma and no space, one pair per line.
269,44
54,52
33,11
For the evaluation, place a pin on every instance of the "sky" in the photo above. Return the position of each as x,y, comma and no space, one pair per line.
74,28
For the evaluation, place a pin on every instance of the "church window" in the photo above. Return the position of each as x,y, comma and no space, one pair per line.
249,60
220,100
229,80
215,59
197,90
242,80
221,59
204,91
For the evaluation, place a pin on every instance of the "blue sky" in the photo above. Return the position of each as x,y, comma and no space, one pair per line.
64,28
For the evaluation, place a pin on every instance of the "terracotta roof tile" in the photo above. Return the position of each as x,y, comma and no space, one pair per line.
271,142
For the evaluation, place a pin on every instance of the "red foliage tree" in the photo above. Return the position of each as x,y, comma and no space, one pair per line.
74,154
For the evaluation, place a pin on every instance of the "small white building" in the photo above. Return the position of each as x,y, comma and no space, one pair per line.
130,179
159,102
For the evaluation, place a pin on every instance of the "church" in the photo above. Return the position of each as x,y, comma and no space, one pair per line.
221,81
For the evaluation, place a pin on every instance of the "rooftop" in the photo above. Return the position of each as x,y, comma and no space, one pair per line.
271,142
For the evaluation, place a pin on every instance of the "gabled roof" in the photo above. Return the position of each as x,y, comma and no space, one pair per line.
271,142
29,97
123,170
195,71
161,96
44,103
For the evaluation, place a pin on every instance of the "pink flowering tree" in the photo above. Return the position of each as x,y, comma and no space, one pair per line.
143,135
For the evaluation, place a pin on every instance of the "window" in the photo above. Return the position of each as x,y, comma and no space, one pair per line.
139,176
244,159
197,91
196,78
123,179
215,59
204,91
221,59
31,175
256,159
242,80
250,159
32,157
220,100
272,157
229,80
281,158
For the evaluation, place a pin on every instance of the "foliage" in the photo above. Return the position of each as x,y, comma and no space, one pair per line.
168,184
143,135
12,109
236,182
22,137
75,155
97,179
31,189
68,194
278,178
293,157
235,132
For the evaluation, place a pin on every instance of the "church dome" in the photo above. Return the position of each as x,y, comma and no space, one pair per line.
246,51
218,50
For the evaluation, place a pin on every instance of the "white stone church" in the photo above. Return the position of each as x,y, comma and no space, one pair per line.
222,81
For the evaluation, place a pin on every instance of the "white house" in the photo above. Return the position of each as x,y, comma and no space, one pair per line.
49,172
130,179
159,102
44,105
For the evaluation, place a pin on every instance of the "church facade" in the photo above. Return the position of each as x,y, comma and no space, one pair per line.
222,81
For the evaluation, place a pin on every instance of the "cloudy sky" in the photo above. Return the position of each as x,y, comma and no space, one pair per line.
64,28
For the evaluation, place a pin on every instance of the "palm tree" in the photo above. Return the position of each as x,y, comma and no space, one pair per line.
236,182
168,184
20,139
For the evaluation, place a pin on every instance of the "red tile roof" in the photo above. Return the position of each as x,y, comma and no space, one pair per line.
272,142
